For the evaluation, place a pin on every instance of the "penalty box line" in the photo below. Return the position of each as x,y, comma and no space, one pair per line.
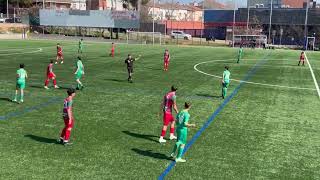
251,72
313,76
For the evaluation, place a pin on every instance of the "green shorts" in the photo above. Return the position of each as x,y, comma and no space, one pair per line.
182,136
20,85
78,75
225,84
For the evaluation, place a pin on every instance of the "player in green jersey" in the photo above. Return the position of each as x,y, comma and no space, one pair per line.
240,53
182,125
225,81
80,48
21,83
78,73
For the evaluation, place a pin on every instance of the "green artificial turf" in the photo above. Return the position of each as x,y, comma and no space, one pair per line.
263,132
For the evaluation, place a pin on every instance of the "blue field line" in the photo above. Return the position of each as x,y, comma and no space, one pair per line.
29,95
30,109
214,115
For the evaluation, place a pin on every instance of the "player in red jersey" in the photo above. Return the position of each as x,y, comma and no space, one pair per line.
169,103
59,54
50,75
166,60
67,117
301,58
112,50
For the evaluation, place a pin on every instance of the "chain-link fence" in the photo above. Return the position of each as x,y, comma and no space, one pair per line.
208,22
179,22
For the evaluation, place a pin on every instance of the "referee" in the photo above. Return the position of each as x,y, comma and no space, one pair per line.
129,61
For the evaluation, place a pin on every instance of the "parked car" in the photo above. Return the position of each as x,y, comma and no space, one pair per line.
2,20
180,35
10,20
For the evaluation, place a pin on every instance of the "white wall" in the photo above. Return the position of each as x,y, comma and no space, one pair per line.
79,4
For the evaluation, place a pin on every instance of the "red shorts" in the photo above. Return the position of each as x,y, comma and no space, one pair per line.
50,76
66,123
302,59
167,118
166,62
60,55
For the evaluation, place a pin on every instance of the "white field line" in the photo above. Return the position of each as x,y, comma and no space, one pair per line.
313,76
31,52
248,82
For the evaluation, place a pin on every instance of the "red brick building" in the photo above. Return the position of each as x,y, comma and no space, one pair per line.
293,3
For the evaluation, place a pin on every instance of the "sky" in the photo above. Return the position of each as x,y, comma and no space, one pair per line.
241,3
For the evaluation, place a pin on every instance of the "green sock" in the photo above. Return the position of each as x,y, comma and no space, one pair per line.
224,90
180,151
15,96
175,147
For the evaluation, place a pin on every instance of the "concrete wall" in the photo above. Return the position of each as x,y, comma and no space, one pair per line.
106,18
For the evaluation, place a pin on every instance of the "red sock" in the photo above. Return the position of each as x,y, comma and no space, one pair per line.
171,130
163,133
63,133
46,82
54,82
67,134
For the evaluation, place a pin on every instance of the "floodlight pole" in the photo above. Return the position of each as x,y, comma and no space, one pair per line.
234,22
43,7
270,21
248,18
202,19
153,22
7,8
306,27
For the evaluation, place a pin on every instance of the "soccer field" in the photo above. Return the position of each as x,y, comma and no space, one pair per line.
267,128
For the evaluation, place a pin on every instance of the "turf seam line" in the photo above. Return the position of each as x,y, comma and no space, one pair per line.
30,109
214,115
313,76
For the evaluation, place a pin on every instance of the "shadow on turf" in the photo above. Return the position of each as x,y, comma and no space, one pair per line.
142,136
5,99
208,96
41,139
149,153
116,80
41,87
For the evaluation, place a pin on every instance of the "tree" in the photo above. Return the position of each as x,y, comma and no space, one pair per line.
130,4
255,22
21,3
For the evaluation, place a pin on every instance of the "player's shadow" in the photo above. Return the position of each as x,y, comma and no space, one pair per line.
142,136
116,80
208,96
42,87
5,99
149,153
41,139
